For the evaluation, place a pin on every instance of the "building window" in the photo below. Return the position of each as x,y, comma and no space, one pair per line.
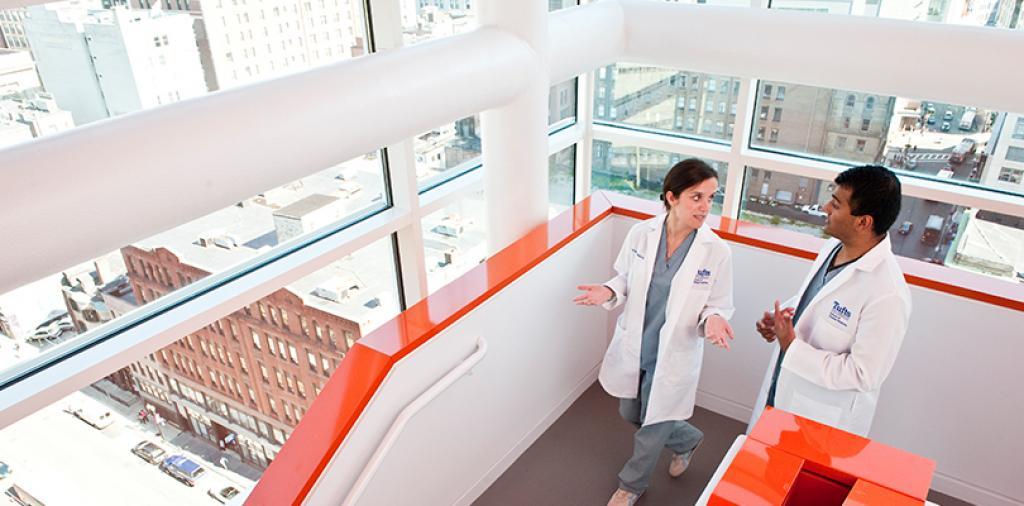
760,133
869,103
1015,154
861,144
293,353
780,93
767,91
846,122
709,106
264,373
692,104
865,124
1011,175
850,100
777,114
255,339
840,142
312,360
1018,129
764,112
774,135
242,364
280,378
273,406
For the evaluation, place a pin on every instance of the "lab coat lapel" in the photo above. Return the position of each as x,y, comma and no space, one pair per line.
653,237
821,258
866,262
682,282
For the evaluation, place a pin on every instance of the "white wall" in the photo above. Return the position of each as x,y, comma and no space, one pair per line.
543,353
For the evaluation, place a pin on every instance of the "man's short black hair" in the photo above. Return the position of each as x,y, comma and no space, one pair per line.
874,191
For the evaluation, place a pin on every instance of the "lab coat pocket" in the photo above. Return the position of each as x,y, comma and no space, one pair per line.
681,367
819,410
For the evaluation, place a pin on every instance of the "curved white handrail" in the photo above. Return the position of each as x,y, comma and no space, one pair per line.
403,418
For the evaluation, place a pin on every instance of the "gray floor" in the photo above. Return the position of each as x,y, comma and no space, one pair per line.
575,462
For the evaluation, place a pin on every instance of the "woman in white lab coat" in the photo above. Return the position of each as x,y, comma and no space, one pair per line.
674,277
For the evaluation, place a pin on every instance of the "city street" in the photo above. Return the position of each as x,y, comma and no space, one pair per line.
61,460
912,209
927,150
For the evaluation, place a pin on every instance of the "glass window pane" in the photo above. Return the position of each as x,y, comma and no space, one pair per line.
213,398
995,14
640,172
920,137
431,19
44,314
561,180
455,240
447,151
936,232
691,103
77,68
562,103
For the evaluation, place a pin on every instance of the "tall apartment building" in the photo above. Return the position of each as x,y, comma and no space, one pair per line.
245,381
689,102
12,32
246,40
1004,167
100,63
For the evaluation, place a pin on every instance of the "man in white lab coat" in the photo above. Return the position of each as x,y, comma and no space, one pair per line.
839,335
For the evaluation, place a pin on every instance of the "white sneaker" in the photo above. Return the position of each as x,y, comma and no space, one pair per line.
681,461
623,498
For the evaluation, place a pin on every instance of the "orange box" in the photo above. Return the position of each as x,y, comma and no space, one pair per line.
788,460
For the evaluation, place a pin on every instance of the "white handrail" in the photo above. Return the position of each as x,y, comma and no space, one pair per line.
403,418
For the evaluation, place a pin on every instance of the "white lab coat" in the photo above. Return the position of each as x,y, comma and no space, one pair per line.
846,343
701,287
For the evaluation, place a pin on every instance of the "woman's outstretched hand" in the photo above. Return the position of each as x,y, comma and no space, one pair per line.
593,295
718,331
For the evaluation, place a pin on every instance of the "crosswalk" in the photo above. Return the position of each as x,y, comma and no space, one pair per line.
929,156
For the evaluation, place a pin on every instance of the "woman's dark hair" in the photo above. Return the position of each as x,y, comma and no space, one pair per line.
687,173
875,191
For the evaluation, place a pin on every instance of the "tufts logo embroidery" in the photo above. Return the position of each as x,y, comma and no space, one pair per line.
703,277
840,314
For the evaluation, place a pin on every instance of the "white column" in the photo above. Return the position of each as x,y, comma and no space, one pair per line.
387,35
585,149
514,137
745,102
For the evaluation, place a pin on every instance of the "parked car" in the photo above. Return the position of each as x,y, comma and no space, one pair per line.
150,452
223,494
5,470
931,119
945,126
813,210
182,469
97,417
948,116
905,228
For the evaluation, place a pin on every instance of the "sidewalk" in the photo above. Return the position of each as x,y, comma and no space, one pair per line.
106,391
